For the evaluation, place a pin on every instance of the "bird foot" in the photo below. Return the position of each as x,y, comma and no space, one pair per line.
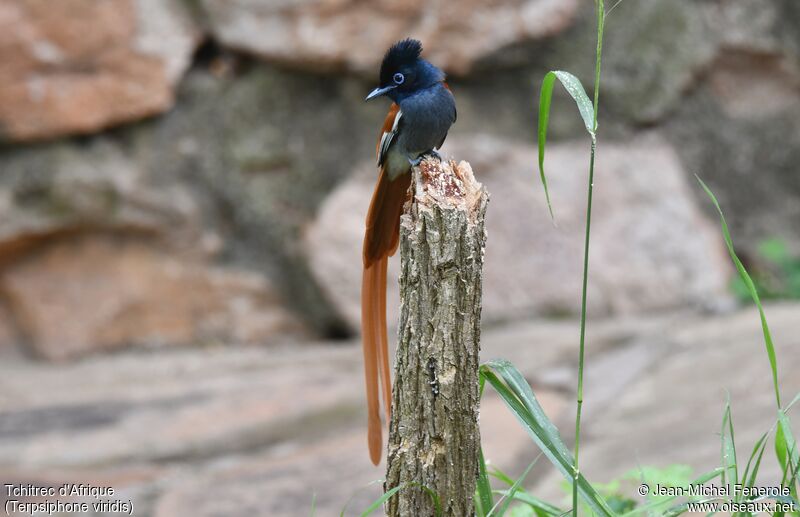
435,154
416,161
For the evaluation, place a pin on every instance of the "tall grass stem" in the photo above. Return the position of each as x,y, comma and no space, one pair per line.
582,347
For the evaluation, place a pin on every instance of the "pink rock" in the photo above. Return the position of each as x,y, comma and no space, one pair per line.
349,34
76,66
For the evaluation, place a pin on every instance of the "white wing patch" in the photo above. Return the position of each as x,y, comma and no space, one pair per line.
386,139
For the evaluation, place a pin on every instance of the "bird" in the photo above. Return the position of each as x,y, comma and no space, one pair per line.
423,109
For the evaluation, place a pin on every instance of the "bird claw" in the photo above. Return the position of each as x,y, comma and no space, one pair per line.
416,161
435,154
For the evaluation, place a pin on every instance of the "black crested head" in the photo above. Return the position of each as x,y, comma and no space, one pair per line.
403,55
404,72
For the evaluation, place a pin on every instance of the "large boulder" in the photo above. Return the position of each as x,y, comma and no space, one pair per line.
737,127
653,53
652,248
318,34
656,52
60,189
97,292
97,252
213,193
77,66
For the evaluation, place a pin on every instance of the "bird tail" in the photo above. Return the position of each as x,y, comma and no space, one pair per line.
376,354
380,241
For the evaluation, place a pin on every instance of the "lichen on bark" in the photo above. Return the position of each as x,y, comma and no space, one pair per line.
434,439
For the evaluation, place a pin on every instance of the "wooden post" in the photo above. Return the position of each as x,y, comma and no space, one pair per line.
434,439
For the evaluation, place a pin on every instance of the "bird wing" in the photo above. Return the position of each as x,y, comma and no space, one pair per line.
455,116
455,111
390,127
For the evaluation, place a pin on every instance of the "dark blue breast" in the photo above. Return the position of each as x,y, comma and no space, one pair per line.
427,116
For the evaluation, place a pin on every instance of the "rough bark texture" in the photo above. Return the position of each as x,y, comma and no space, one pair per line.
434,438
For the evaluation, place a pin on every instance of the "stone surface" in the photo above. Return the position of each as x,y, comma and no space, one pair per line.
62,189
348,34
643,202
243,162
258,170
262,431
754,86
8,332
253,430
653,52
732,128
91,294
760,26
97,253
657,52
739,149
671,412
78,66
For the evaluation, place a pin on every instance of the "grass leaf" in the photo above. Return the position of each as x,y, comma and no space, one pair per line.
437,507
539,506
573,86
502,476
788,454
518,396
484,489
730,474
382,499
749,477
751,289
509,495
794,401
352,496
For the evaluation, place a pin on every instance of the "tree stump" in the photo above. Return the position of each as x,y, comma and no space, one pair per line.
434,440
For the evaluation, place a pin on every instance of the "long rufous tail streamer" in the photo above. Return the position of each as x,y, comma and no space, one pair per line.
381,238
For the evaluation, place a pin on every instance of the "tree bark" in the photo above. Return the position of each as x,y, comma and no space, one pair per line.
434,439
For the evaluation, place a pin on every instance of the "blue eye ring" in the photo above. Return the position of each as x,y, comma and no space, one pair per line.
398,78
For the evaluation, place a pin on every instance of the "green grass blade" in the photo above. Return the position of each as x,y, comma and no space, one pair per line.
509,496
749,477
785,441
573,86
745,276
313,504
781,448
545,98
437,507
730,472
518,396
539,506
352,496
502,476
382,499
793,402
484,489
479,511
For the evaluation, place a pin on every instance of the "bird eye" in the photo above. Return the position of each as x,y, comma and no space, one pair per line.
398,78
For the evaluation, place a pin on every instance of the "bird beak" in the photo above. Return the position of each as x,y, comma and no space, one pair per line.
377,92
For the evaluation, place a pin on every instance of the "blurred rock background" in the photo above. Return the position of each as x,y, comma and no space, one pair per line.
196,172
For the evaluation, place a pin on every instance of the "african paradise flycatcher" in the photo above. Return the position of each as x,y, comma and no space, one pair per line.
422,111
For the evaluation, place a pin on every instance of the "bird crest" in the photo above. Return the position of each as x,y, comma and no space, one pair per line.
402,54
